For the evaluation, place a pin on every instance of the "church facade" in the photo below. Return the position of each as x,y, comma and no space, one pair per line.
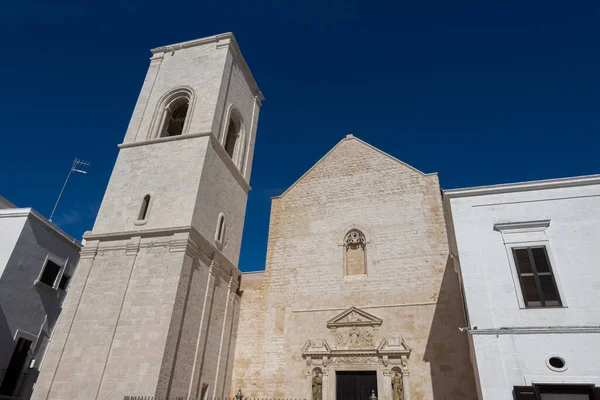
357,292
361,293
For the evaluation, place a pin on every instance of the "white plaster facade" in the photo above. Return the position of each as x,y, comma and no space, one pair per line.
29,308
511,343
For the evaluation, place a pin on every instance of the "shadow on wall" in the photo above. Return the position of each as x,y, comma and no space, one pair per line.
6,341
447,350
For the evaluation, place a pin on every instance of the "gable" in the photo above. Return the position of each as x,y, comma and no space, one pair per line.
349,157
354,317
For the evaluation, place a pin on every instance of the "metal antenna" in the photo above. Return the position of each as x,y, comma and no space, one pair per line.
78,166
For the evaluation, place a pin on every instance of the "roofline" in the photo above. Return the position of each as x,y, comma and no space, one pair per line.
350,137
556,183
9,203
26,212
215,39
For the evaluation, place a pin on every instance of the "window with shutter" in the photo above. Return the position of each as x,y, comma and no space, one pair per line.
535,275
527,393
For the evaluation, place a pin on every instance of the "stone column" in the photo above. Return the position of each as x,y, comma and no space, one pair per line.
325,384
387,384
405,379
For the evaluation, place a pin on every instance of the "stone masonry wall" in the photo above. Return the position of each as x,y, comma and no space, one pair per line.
409,282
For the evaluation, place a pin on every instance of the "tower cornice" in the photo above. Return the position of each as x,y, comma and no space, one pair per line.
222,40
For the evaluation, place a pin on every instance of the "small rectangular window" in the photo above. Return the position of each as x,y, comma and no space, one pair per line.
64,281
535,275
51,271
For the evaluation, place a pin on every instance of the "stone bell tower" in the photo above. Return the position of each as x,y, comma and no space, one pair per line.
153,307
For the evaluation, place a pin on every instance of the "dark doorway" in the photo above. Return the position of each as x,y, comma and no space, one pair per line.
355,385
15,367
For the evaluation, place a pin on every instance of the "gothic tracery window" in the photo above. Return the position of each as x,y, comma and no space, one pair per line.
355,248
175,119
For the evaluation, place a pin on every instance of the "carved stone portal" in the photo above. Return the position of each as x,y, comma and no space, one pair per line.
355,344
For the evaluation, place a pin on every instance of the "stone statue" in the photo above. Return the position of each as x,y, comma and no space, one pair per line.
397,386
317,386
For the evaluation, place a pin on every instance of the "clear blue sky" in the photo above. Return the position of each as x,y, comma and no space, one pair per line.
481,92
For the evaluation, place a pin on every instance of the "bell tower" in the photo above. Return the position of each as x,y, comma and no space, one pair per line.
152,310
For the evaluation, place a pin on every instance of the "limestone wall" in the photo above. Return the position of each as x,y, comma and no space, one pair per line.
409,282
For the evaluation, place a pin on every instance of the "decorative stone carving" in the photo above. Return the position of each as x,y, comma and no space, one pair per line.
355,239
355,360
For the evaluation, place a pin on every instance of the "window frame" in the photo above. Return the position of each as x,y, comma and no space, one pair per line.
59,275
529,234
536,275
517,276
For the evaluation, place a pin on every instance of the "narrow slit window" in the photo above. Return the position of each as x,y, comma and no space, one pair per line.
144,208
535,275
220,229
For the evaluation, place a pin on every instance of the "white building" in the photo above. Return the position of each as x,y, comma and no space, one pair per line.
527,255
37,260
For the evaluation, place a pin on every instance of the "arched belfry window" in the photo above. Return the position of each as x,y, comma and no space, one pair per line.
233,134
234,138
173,113
175,119
355,253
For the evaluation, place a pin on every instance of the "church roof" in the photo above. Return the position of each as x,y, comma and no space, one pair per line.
351,137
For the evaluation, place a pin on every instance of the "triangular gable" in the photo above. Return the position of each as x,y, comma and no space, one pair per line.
350,137
354,317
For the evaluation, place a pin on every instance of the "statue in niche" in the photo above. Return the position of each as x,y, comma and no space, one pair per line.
354,334
317,385
397,386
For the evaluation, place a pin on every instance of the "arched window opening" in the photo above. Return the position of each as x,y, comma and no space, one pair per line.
220,232
175,118
144,208
355,247
233,133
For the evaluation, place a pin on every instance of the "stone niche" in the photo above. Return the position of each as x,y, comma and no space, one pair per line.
355,344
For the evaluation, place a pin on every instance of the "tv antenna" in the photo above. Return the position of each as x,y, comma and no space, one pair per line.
78,166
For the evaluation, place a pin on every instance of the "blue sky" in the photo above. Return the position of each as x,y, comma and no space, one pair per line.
481,92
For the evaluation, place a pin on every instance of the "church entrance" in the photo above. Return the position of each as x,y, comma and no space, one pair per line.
355,385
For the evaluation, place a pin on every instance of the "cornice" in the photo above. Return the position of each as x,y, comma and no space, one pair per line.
163,139
522,226
523,186
141,233
224,40
533,330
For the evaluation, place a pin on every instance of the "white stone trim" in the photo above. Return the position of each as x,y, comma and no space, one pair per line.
536,330
560,379
524,186
27,212
564,360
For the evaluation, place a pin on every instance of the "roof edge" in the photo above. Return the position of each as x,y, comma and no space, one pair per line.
349,137
26,212
555,183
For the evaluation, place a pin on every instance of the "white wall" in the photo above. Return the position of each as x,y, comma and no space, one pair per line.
511,342
11,225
